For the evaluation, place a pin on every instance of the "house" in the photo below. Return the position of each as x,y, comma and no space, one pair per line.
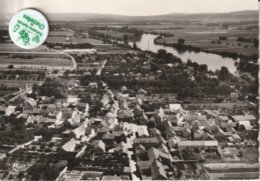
157,170
92,175
155,132
143,119
244,125
80,131
173,142
155,154
141,130
175,107
73,99
112,122
75,120
246,117
90,133
70,145
39,119
142,91
235,138
137,110
111,177
198,145
124,113
144,166
234,96
140,149
233,171
93,85
33,119
147,142
73,175
99,147
10,110
29,103
108,138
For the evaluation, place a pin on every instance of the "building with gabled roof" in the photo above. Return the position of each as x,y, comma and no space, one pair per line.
70,145
99,147
157,170
200,145
80,131
147,142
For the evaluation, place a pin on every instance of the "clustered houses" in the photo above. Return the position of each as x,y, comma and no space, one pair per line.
132,134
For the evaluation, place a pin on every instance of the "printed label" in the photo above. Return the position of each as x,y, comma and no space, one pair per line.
28,29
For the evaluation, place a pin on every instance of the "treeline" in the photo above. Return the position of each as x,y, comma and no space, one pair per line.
129,34
181,47
251,67
69,45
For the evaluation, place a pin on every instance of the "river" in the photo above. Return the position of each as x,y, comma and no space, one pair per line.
213,61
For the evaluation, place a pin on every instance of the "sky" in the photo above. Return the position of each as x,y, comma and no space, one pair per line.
129,7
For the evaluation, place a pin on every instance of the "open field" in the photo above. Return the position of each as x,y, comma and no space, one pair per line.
74,40
206,37
19,83
12,47
67,36
55,61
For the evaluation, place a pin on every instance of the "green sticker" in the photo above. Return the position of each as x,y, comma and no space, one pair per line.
28,28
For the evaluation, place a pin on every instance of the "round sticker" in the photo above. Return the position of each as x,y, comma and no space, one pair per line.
28,28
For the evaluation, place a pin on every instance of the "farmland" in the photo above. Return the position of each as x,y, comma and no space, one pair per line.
75,40
44,61
67,36
207,37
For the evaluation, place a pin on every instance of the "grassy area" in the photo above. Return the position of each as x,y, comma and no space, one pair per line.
74,40
42,61
18,83
11,47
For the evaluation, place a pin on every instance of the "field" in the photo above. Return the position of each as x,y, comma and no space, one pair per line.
75,40
41,60
66,36
206,37
19,83
12,47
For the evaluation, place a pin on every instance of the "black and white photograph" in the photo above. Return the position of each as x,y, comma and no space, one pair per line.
129,90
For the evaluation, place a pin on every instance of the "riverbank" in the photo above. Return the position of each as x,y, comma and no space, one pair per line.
183,47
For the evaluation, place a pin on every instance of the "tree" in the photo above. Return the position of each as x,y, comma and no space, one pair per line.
151,124
134,46
51,173
219,99
161,53
224,73
203,68
181,41
10,66
52,87
222,38
256,42
126,38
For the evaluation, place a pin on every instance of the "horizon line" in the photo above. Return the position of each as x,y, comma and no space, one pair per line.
184,13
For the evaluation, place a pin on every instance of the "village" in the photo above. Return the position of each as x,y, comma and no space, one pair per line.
103,120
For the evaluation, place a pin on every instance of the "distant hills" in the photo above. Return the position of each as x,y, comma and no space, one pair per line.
250,15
